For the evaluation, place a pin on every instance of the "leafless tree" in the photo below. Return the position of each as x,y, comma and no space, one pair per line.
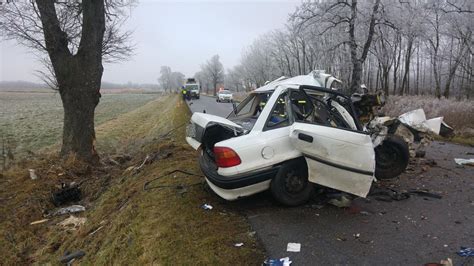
403,47
214,70
77,36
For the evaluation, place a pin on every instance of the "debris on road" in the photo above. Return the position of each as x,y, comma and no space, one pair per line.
461,161
293,247
389,195
466,252
33,175
278,262
446,262
69,257
67,193
74,221
341,200
39,221
70,209
206,206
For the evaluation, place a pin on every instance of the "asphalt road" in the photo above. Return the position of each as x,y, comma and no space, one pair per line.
413,231
210,105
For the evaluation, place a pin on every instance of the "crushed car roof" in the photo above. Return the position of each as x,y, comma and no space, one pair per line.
315,78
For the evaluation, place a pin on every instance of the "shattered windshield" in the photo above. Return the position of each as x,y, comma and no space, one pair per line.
249,110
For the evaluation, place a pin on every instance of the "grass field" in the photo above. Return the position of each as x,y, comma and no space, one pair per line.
32,121
126,225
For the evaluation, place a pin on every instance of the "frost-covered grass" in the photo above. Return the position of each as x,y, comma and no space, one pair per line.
458,114
31,121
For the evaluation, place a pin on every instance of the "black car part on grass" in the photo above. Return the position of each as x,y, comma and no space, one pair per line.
67,193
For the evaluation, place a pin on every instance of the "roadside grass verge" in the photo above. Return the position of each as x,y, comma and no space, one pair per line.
125,224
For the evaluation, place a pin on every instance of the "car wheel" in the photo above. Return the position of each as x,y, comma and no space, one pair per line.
391,157
290,186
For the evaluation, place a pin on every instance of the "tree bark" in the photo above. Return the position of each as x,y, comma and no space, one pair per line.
79,76
358,61
405,88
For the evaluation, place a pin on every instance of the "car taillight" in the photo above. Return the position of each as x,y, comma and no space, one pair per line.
226,157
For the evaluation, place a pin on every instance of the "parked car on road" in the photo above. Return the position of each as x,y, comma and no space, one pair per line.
287,135
224,96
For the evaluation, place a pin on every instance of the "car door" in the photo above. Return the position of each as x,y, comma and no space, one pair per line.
337,157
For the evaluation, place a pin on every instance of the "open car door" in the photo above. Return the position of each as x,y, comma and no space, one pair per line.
337,157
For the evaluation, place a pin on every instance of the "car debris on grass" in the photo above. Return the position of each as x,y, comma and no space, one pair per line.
69,257
73,222
206,206
66,193
69,209
33,174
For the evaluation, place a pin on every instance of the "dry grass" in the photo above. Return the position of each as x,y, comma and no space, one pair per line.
458,114
160,226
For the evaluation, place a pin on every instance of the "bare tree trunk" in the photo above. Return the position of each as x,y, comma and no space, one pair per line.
398,44
453,68
79,76
358,61
405,88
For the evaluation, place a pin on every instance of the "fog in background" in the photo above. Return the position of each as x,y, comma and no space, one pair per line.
182,35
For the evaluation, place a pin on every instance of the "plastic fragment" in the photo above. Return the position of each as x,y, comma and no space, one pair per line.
293,247
461,161
206,206
70,209
278,262
33,175
466,252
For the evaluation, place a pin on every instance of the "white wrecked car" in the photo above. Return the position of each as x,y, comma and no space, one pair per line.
287,135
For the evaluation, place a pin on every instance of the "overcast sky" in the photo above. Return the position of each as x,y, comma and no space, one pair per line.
180,34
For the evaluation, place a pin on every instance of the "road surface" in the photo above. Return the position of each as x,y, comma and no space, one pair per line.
414,231
210,105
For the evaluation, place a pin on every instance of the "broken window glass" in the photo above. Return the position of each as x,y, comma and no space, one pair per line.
279,115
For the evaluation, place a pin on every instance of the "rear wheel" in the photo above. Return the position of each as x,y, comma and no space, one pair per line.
290,186
391,157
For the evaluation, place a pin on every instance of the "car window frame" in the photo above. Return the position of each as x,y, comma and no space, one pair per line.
324,90
266,127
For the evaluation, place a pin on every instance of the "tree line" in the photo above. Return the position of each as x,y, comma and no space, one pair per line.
420,47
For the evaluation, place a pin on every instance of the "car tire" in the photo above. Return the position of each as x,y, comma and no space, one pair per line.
391,157
290,186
